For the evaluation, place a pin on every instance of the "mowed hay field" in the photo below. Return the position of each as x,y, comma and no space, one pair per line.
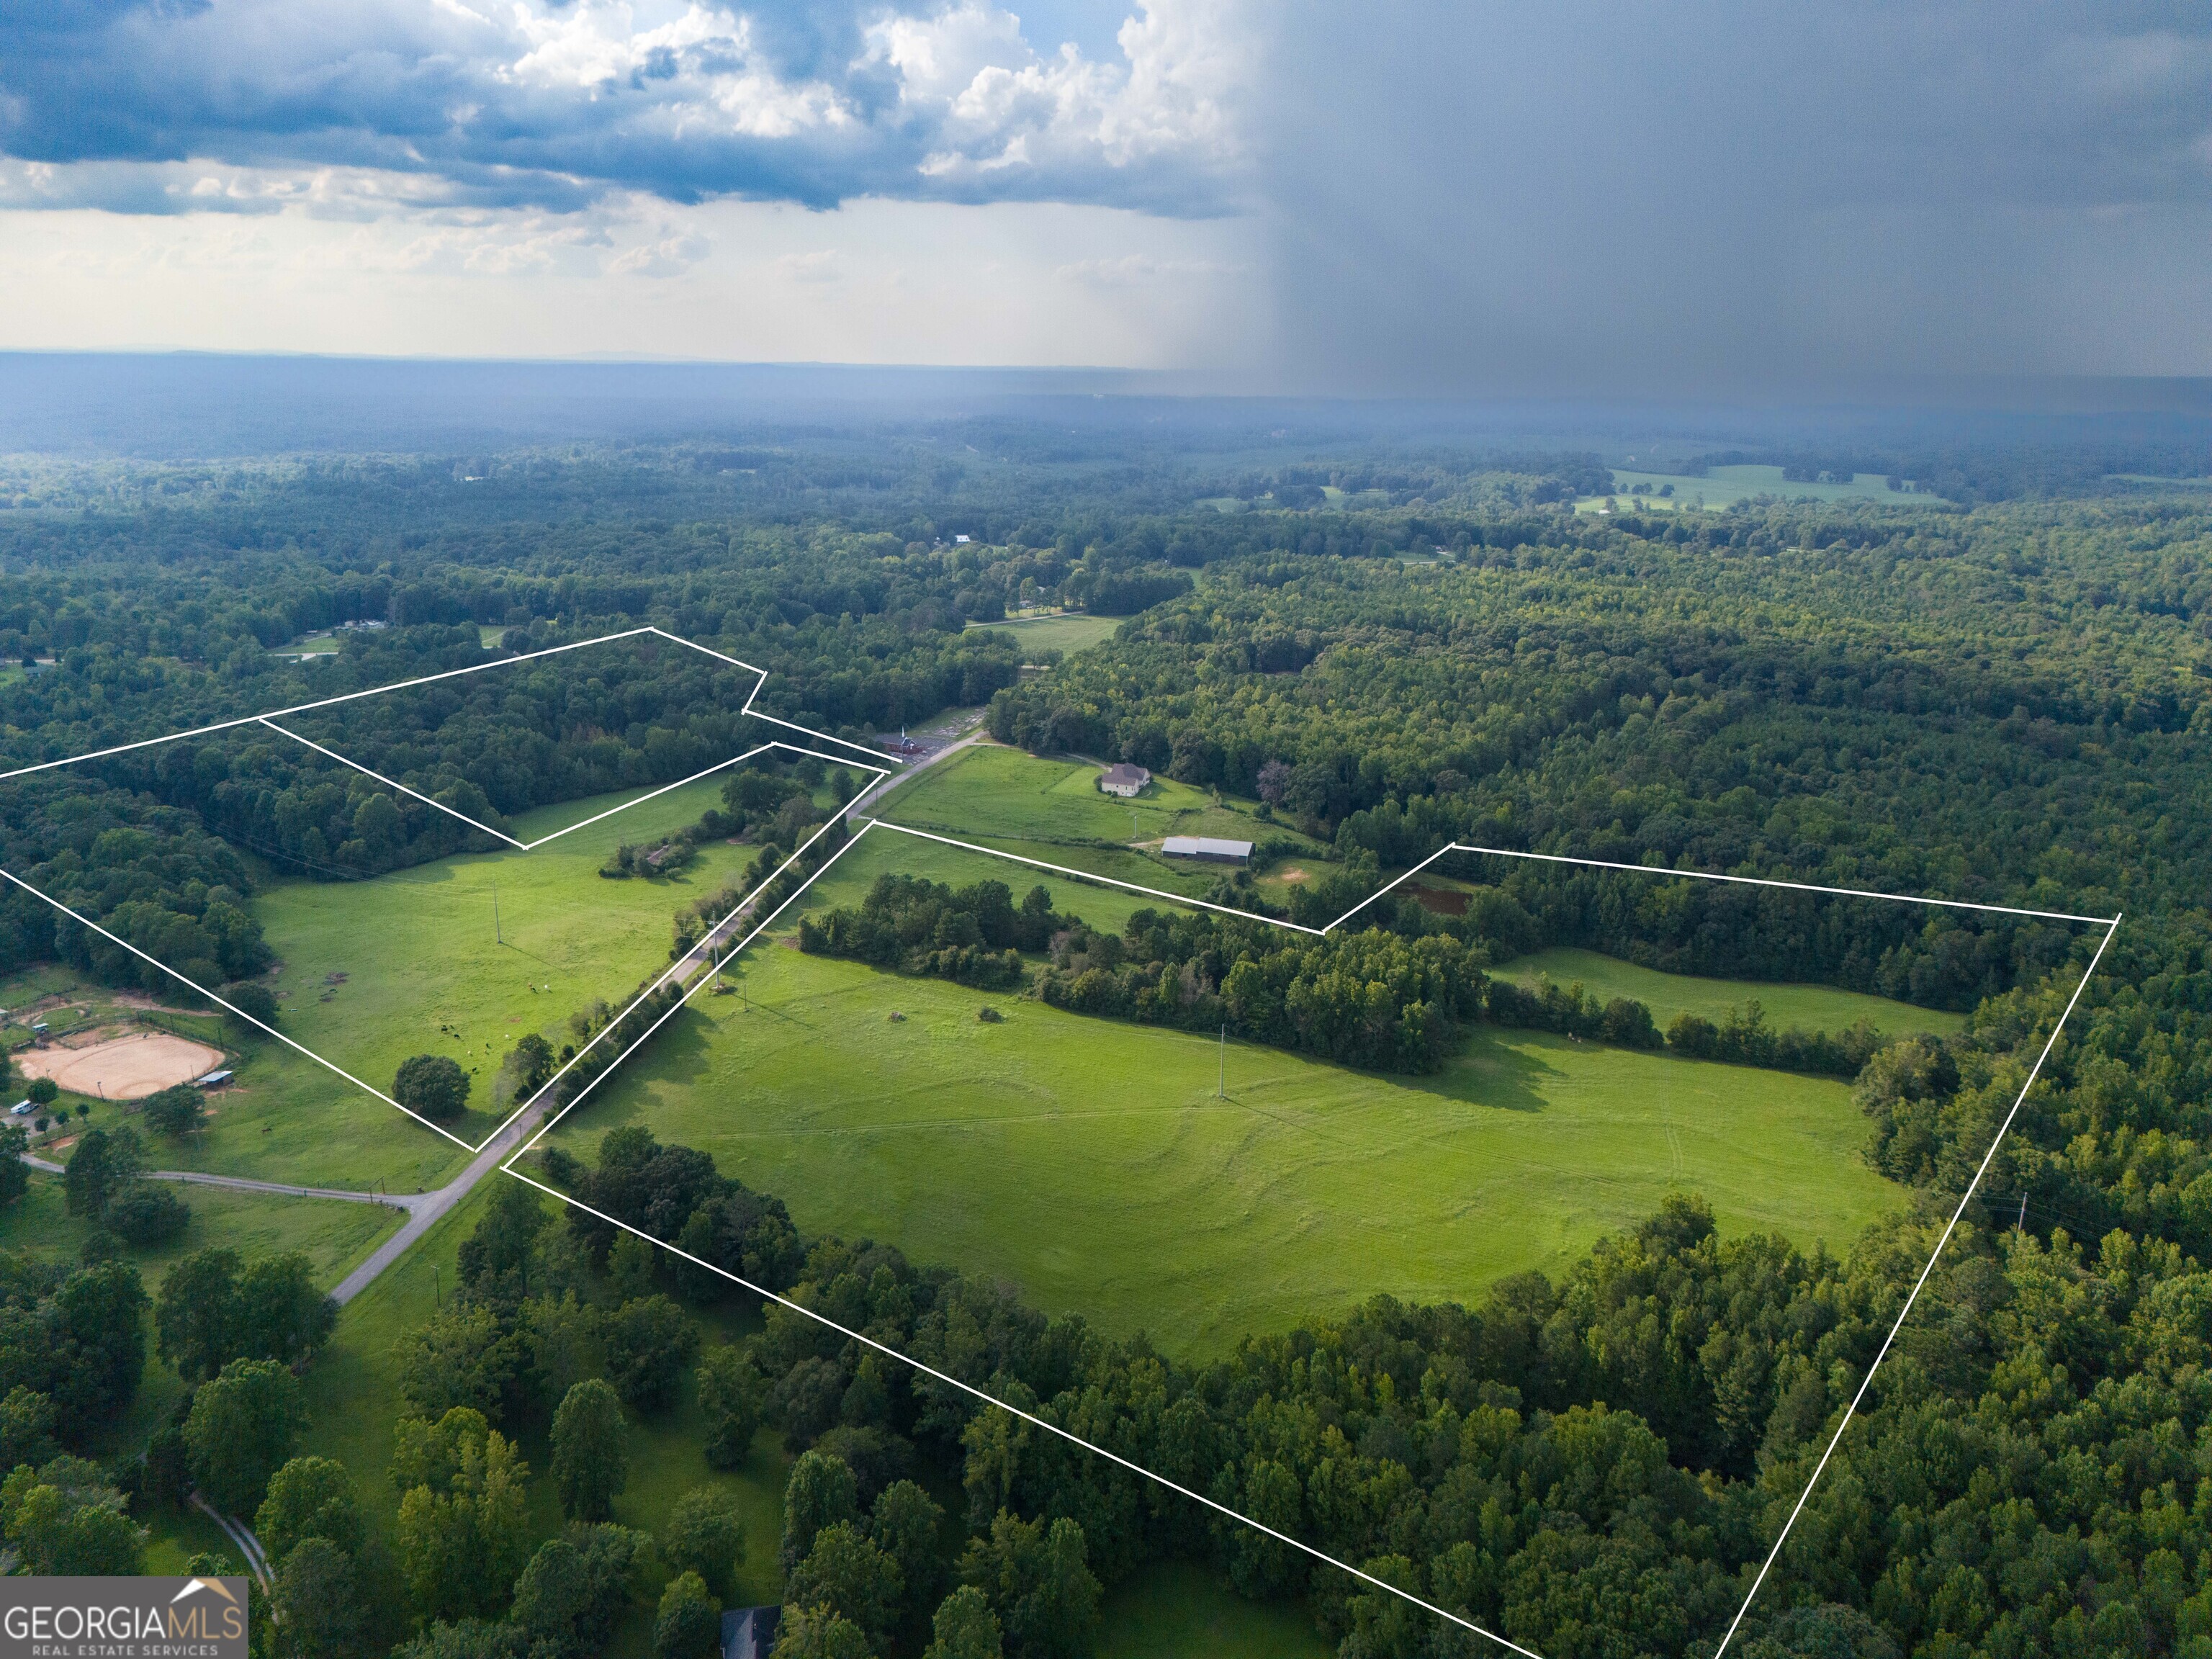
1809,1008
1090,1164
417,952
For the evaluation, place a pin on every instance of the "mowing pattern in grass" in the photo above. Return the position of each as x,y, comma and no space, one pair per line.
1808,1007
1089,1163
407,963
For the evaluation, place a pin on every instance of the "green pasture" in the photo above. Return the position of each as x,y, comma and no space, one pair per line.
1089,1163
1808,1007
1061,633
885,851
1725,486
991,791
288,1119
1175,1610
333,1234
424,973
291,1119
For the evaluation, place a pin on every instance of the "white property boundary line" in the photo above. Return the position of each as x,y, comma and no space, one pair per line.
270,720
711,966
1965,1199
2110,924
449,674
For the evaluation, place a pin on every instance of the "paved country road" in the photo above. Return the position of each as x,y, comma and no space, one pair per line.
239,1183
426,1207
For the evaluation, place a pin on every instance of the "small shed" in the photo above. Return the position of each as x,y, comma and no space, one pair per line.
1207,850
214,1080
1124,779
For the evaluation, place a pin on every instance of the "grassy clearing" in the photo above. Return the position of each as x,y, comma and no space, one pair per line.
1001,794
1176,1608
1809,1008
407,963
335,1236
371,970
1062,633
1723,486
1090,1164
886,852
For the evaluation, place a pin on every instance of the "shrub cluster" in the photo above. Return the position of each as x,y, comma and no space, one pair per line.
972,935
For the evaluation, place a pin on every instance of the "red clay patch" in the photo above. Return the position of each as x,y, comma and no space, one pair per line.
1440,901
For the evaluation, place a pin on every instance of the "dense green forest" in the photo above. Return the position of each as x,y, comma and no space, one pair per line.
2007,704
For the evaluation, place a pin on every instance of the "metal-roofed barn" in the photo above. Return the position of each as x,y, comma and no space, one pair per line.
1208,849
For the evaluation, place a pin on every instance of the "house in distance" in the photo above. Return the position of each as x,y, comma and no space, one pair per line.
1206,849
1124,779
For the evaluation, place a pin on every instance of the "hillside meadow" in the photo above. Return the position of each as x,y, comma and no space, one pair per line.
1809,1008
1153,1180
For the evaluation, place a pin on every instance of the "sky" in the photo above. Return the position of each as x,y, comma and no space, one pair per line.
1560,197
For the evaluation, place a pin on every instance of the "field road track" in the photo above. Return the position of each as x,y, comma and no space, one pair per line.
239,1183
882,787
703,952
424,1209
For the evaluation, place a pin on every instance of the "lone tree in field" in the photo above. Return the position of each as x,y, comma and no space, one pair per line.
100,1168
178,1110
432,1084
591,1451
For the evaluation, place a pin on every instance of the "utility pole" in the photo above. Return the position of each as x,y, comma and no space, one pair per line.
2021,1224
1221,1089
495,938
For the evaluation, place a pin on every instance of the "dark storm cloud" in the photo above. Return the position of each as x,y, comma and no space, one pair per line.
549,104
1615,195
1447,196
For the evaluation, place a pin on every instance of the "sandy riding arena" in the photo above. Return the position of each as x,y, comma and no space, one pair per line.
124,1067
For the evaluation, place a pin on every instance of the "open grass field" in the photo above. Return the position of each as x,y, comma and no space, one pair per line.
334,1234
408,963
1809,1008
1723,486
885,851
1173,1610
1090,1164
998,793
1062,633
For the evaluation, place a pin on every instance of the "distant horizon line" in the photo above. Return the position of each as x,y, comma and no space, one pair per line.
2187,395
